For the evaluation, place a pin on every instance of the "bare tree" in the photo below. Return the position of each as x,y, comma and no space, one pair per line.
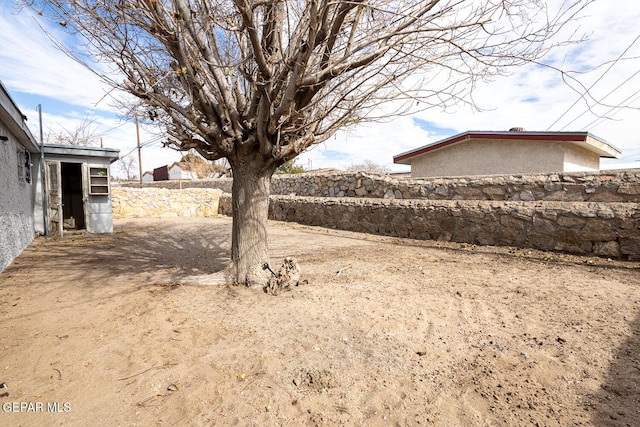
371,167
129,165
259,81
84,134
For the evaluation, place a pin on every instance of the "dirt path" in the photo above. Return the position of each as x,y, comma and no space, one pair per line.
119,330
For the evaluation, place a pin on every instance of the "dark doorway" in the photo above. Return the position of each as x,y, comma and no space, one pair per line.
72,196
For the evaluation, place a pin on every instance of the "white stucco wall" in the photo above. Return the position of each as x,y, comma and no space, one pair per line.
488,157
16,203
577,159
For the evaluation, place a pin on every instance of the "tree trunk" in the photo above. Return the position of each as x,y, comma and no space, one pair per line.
250,205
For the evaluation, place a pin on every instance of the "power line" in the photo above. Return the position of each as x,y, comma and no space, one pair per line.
582,96
634,95
145,144
603,98
116,127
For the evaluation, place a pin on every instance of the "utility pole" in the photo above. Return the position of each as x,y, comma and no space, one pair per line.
139,150
43,175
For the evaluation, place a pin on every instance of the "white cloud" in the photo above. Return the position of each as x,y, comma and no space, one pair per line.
38,67
532,97
535,97
377,142
68,91
113,132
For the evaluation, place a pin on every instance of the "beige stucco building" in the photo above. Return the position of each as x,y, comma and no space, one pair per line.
516,151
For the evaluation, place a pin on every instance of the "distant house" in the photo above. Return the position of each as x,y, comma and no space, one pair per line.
147,176
73,193
515,151
177,170
181,170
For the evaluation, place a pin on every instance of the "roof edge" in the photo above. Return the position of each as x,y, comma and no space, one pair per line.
16,121
604,149
112,154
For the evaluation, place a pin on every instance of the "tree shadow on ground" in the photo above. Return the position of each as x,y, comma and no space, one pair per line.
88,268
143,249
618,401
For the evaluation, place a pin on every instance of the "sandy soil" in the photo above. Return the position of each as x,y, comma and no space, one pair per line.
120,330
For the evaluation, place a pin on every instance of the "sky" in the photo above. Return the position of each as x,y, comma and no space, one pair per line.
536,98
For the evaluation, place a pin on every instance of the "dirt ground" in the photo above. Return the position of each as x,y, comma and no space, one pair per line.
123,329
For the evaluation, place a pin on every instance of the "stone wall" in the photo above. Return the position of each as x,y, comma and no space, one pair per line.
582,213
619,186
604,229
223,184
163,203
605,186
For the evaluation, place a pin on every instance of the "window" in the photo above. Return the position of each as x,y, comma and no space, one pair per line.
24,166
98,181
54,175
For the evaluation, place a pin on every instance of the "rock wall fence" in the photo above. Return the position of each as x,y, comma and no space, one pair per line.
163,203
605,186
582,213
609,230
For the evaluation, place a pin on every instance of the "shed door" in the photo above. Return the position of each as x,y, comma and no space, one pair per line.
54,198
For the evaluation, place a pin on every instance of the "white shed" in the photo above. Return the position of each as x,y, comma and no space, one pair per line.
78,188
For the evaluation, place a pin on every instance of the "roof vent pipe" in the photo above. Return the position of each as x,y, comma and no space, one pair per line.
516,129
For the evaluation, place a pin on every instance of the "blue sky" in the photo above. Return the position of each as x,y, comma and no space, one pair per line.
536,98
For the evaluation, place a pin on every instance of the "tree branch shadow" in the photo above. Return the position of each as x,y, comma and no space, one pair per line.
139,254
618,400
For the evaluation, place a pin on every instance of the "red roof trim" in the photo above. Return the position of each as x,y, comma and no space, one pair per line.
531,136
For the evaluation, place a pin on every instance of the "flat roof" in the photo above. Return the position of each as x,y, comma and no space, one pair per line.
112,154
583,139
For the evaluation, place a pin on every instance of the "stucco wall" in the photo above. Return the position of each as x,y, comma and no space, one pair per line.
580,159
16,204
483,157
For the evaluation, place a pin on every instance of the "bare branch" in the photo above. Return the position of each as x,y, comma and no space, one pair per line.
262,80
